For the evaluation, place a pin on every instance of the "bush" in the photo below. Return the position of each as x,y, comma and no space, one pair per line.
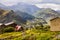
46,27
8,29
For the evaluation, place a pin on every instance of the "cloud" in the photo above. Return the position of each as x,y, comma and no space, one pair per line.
12,2
49,5
9,2
51,1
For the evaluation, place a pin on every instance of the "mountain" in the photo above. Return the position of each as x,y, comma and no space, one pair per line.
24,8
25,15
2,6
28,8
46,14
58,11
9,15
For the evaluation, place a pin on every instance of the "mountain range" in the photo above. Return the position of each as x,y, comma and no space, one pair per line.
30,9
47,14
9,15
22,12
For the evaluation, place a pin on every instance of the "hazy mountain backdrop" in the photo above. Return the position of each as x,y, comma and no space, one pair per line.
23,12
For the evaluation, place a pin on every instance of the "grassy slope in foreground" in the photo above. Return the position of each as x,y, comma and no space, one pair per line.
29,35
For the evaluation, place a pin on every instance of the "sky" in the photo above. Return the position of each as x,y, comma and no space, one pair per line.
54,4
13,2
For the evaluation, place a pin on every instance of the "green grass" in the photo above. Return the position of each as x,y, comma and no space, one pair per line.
32,34
6,35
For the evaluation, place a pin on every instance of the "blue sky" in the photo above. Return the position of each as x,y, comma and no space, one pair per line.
54,4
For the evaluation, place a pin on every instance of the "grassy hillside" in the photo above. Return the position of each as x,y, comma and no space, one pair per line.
32,34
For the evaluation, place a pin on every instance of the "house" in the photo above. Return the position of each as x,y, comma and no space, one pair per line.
55,24
0,24
11,24
18,28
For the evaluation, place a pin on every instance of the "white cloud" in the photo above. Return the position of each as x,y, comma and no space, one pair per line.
51,1
49,5
12,2
31,0
56,1
9,2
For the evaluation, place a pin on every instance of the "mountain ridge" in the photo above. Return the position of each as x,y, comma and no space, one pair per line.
10,15
47,14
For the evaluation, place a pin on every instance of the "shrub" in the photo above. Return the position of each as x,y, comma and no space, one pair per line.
8,29
46,27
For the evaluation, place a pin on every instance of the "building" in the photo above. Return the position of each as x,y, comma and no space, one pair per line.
55,24
11,24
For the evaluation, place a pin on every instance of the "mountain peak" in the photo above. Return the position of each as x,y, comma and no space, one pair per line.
48,9
4,12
